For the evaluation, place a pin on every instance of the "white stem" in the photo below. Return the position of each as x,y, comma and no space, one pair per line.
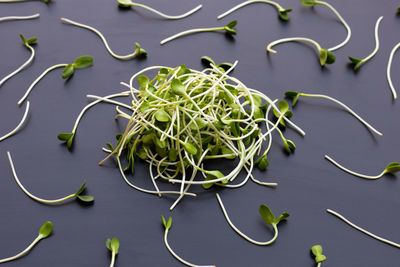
179,258
319,264
19,125
112,259
125,57
37,239
376,41
343,22
189,32
107,100
352,172
38,79
292,39
363,230
190,12
19,17
28,193
248,3
21,67
243,235
346,108
389,65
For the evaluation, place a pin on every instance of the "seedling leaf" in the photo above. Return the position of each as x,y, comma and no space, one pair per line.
46,229
31,40
114,245
267,214
177,87
229,27
166,224
392,167
68,71
283,14
190,148
207,61
108,244
281,217
80,190
293,95
139,51
162,116
143,81
83,62
86,199
323,56
331,58
317,251
262,162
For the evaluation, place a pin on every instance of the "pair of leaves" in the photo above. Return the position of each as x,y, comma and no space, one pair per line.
211,175
262,162
81,197
67,137
167,224
28,42
392,167
139,51
208,62
229,28
293,95
113,245
79,63
45,229
283,108
356,62
289,146
317,251
326,57
283,14
269,217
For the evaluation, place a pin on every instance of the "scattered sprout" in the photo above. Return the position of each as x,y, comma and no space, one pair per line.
311,3
44,231
69,69
389,65
228,28
317,252
167,226
359,62
392,167
325,56
78,194
129,4
28,44
34,16
113,246
139,51
267,216
295,95
282,12
19,125
362,230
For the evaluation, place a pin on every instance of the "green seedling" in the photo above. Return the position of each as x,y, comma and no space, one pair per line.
113,246
317,252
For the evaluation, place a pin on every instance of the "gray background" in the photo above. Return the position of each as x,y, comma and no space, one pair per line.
308,184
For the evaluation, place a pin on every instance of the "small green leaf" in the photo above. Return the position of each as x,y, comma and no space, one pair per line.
46,229
212,175
199,122
267,214
166,224
125,3
172,154
22,38
323,56
114,245
231,24
356,61
31,40
162,116
229,27
308,2
331,58
177,87
227,151
392,167
83,62
68,71
281,217
85,198
225,65
142,154
207,61
289,146
262,162
190,148
320,258
283,14
293,95
317,251
80,190
109,146
108,244
64,136
139,51
143,81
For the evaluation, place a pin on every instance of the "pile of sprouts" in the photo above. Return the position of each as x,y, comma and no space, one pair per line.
183,117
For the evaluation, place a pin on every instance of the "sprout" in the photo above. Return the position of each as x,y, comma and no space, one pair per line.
19,125
267,216
139,51
282,12
362,230
317,252
228,28
27,44
129,4
295,96
325,56
392,167
34,16
69,69
359,62
311,3
78,194
44,231
113,246
389,66
167,226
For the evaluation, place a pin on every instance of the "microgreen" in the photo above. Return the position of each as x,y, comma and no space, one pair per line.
28,44
44,232
19,124
282,12
129,4
312,3
78,194
392,167
325,55
208,62
317,252
295,96
34,16
113,246
389,66
359,62
228,29
363,230
79,63
167,227
268,217
139,51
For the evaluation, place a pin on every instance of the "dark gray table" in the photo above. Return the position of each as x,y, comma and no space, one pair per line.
308,184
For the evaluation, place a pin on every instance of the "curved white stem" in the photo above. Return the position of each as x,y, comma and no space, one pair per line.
233,9
28,193
176,255
19,125
125,57
112,259
175,36
370,177
37,15
38,79
319,264
376,40
190,12
292,39
21,67
363,230
37,239
389,65
243,235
